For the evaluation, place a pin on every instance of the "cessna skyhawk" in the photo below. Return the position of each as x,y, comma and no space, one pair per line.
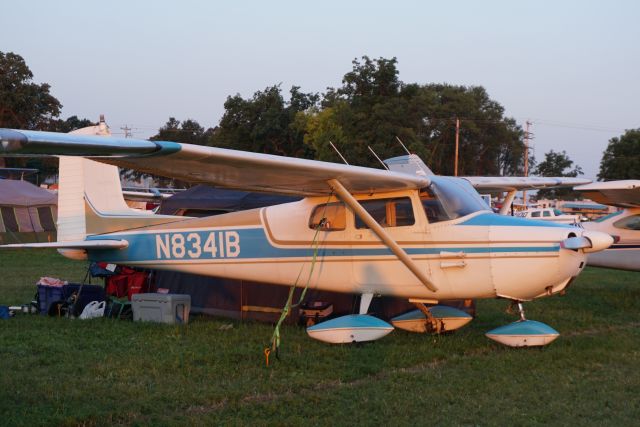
405,233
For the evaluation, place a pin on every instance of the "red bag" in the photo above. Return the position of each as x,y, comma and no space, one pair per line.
128,284
117,285
138,283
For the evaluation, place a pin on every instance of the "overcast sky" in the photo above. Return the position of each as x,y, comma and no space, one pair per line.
571,67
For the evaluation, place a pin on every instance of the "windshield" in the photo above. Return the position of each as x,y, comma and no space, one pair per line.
451,198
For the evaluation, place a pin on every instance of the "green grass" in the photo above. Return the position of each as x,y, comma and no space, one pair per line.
106,372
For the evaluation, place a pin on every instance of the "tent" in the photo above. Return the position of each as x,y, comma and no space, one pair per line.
27,213
242,299
203,200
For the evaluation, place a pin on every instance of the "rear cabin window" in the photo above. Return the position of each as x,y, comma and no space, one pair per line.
396,212
328,217
546,214
535,214
201,213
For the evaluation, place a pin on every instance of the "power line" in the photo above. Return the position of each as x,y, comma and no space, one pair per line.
127,131
579,126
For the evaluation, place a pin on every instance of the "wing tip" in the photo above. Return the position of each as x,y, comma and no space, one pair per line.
11,141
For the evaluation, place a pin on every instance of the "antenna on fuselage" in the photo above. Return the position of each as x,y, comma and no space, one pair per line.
403,146
376,156
339,154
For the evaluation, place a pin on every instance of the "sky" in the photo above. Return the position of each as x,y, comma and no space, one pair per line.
570,67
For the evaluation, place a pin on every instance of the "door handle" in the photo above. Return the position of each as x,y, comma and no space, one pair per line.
453,264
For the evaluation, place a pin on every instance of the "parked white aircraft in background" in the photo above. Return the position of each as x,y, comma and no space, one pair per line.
412,235
623,225
549,214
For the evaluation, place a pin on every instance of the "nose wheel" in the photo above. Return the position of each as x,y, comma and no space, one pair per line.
523,333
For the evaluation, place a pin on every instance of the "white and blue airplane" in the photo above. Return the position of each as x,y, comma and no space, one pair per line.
405,232
623,225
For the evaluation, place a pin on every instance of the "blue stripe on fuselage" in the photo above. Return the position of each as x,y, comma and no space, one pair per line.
491,219
253,244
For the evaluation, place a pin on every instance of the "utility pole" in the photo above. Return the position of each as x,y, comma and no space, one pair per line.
127,131
455,166
526,158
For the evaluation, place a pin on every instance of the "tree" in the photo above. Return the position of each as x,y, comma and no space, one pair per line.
621,159
557,164
23,103
373,107
265,123
70,124
186,132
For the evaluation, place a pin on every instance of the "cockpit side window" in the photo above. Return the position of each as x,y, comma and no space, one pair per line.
396,212
629,223
432,206
449,198
328,217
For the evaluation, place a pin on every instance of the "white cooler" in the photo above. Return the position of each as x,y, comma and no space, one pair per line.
163,308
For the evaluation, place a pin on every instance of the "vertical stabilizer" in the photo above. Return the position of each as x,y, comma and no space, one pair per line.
71,217
72,224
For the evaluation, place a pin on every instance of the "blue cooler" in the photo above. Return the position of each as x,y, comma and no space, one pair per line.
47,295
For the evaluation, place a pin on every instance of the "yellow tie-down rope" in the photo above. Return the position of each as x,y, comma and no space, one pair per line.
275,338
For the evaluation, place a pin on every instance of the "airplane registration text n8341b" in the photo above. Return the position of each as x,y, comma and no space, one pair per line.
220,244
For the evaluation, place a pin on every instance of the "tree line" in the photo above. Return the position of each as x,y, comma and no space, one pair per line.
372,107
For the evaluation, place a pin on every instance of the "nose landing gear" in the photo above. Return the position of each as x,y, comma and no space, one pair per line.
523,333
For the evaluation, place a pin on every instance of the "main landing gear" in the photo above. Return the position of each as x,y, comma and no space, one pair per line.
362,327
353,327
523,333
434,319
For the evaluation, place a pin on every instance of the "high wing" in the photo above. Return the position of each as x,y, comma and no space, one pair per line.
624,194
511,183
413,165
210,165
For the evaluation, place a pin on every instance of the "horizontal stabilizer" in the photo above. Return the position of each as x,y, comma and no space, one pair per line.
79,244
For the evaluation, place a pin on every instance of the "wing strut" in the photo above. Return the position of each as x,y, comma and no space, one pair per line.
357,208
507,202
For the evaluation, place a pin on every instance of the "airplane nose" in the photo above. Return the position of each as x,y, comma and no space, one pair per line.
590,241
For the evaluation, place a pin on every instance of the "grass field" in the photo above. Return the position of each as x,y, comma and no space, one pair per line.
108,372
